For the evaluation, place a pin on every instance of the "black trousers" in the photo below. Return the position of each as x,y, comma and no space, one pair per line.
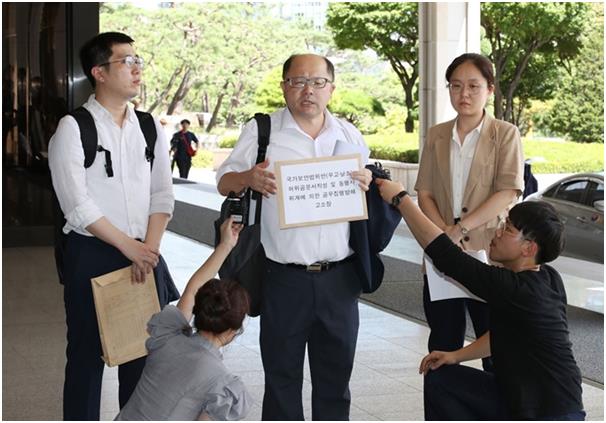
447,321
463,393
85,258
183,164
317,310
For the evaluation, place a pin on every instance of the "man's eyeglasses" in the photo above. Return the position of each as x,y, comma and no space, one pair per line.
506,227
301,81
457,88
129,61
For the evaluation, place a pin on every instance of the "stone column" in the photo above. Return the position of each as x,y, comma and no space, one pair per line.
446,30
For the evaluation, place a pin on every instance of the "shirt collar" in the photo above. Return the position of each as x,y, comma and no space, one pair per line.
289,122
478,129
102,113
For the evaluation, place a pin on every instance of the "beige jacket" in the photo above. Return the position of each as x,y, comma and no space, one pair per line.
498,164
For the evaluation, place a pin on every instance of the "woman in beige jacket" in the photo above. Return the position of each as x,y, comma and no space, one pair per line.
470,174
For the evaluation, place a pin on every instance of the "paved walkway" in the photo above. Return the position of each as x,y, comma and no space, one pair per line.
385,384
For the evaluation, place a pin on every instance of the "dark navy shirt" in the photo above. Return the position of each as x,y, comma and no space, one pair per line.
177,143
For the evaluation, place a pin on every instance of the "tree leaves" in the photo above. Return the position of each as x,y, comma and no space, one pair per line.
228,47
527,42
391,30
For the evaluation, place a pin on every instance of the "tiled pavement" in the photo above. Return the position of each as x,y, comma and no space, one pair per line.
385,384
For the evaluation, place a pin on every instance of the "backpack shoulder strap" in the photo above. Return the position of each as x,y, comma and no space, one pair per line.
88,134
264,130
148,127
264,126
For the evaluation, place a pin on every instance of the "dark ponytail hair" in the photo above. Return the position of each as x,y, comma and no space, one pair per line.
220,305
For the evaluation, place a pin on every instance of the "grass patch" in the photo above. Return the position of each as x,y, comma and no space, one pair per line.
548,156
564,156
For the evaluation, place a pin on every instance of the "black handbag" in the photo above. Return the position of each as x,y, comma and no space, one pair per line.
247,263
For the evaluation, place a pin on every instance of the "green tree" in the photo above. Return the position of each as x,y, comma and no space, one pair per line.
268,96
529,39
354,104
578,111
203,56
391,30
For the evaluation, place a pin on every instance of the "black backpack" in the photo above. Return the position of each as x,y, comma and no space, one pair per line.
90,145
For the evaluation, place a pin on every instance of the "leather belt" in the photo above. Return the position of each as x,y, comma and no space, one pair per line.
319,266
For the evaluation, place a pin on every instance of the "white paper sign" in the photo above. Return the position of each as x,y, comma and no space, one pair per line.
442,287
319,191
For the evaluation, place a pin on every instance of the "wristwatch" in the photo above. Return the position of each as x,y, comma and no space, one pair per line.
464,230
395,201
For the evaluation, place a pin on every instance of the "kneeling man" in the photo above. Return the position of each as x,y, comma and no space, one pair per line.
535,374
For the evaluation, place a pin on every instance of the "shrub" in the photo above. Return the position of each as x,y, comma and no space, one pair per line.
203,158
396,137
395,145
394,152
228,141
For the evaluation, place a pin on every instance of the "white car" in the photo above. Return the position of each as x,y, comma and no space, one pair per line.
579,199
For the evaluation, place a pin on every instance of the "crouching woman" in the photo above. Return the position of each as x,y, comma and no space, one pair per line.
184,377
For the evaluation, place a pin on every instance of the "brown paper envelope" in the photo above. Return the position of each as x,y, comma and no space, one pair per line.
123,310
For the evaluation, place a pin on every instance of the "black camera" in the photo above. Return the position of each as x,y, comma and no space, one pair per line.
237,207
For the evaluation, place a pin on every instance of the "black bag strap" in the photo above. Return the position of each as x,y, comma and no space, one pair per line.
264,126
89,137
148,127
88,134
264,130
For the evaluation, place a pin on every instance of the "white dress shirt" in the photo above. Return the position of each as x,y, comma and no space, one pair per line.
129,197
461,157
305,245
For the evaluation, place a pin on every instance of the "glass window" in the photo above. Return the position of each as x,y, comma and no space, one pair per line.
596,193
572,191
551,192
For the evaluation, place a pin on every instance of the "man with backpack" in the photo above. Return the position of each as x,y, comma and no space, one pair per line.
116,208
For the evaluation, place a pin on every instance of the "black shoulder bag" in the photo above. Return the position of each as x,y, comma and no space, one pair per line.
247,263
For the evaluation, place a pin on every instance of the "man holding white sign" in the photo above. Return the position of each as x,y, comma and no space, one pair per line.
310,293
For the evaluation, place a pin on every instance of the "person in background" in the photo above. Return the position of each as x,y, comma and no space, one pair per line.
535,374
470,173
184,377
183,151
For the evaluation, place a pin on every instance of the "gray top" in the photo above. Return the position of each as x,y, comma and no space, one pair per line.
184,376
